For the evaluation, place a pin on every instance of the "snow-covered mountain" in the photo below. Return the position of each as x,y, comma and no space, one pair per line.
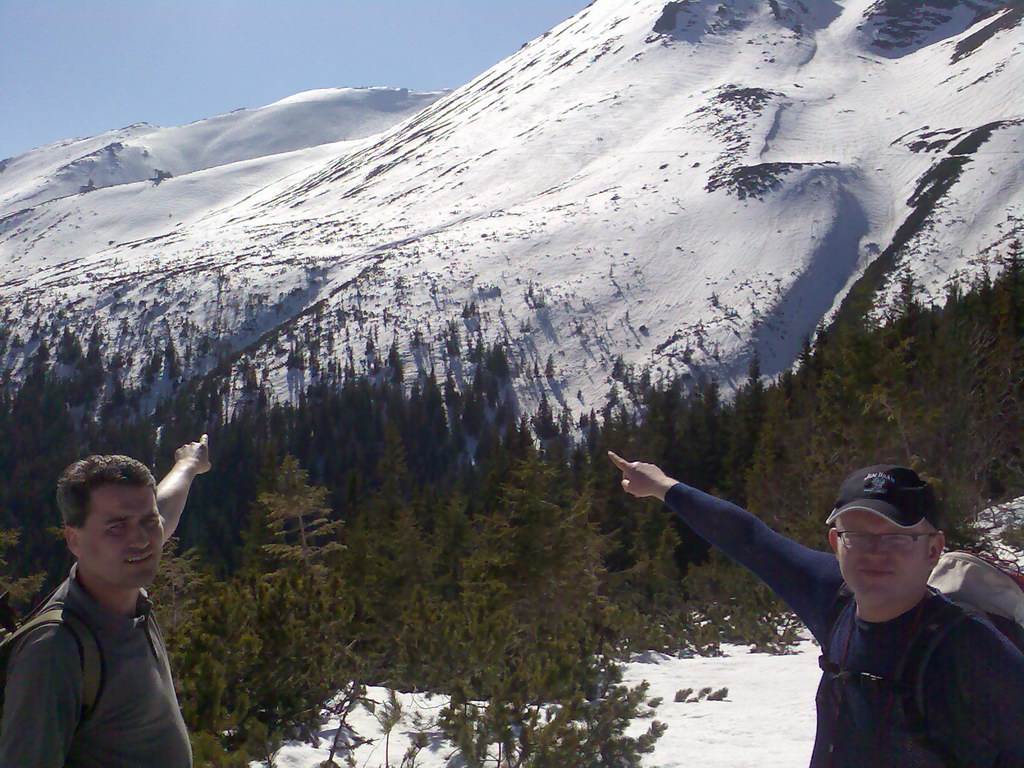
144,152
680,184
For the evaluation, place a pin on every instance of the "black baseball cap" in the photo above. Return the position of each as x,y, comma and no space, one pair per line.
896,493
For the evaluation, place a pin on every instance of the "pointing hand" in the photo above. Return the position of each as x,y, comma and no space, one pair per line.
196,453
640,479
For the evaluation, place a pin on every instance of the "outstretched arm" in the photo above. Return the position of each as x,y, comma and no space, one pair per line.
190,460
806,579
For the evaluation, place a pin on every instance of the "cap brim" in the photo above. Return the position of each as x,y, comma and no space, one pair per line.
877,507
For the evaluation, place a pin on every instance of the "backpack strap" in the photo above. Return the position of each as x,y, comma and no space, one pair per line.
92,662
842,600
56,614
941,616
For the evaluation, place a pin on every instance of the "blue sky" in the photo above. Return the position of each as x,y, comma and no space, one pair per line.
72,68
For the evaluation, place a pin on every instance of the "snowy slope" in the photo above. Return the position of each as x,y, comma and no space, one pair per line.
679,184
140,152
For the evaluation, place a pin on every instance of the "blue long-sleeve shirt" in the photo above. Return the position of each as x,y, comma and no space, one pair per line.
974,686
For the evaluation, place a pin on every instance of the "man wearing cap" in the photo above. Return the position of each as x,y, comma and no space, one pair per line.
886,538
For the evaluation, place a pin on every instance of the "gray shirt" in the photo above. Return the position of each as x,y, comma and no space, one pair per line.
136,722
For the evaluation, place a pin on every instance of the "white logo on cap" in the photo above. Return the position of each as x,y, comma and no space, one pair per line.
877,482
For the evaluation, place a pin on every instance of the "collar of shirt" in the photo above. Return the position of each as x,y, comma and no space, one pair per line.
98,617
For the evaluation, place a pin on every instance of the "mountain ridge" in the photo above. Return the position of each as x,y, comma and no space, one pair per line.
678,195
243,134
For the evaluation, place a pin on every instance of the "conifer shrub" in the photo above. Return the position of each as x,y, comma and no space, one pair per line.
18,589
261,659
739,609
263,655
586,730
534,632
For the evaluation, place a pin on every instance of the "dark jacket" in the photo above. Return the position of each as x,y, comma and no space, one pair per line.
975,680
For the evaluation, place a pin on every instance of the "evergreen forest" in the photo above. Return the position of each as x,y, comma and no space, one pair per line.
410,532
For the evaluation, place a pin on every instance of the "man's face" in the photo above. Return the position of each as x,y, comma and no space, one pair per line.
119,546
882,576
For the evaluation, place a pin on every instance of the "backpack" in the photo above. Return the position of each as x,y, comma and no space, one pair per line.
975,584
984,585
53,612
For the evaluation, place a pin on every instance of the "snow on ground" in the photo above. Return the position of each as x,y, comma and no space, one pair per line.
998,519
765,721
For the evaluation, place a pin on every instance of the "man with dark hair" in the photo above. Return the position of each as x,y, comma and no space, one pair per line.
79,479
864,604
116,521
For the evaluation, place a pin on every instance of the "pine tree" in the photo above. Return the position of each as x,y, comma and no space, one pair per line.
389,564
262,657
291,606
16,589
746,419
69,349
298,517
533,629
176,589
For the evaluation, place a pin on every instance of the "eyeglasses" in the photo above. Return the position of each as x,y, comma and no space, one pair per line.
880,542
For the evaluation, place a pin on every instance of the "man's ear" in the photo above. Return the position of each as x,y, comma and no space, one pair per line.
833,540
71,537
936,544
